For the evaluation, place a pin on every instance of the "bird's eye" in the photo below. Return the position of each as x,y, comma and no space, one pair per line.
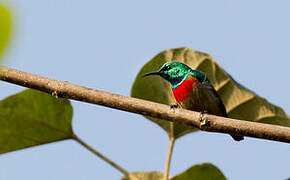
167,68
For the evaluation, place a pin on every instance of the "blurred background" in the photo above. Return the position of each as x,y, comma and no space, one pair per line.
103,44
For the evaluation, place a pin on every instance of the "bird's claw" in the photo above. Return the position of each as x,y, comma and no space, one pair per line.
203,120
174,106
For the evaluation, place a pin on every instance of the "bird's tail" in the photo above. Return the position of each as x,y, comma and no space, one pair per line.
237,137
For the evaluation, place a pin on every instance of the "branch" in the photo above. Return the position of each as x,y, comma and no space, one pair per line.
139,106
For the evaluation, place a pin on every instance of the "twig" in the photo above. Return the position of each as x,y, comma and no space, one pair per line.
170,149
100,155
139,106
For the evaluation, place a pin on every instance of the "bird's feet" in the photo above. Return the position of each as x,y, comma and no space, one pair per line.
174,106
202,119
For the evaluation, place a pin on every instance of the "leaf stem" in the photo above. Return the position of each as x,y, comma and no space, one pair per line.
170,149
88,147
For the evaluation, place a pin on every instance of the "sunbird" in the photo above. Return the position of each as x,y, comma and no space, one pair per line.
192,90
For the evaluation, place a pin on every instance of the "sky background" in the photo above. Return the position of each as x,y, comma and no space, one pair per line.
103,44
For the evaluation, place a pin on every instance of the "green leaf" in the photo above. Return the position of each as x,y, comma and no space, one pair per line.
205,171
240,102
144,176
5,28
31,118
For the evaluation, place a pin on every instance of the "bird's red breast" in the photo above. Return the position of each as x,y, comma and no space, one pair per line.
181,92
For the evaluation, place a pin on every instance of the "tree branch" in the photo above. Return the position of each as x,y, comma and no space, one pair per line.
139,106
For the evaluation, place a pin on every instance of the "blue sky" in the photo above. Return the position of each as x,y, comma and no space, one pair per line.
103,44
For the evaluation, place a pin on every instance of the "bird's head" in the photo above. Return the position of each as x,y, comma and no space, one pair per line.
174,72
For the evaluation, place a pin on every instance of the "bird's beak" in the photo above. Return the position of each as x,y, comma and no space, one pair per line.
151,73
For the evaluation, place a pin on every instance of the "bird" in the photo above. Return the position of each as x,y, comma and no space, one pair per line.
192,90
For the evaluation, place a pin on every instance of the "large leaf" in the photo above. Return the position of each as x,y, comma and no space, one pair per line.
5,28
144,176
240,102
205,171
32,118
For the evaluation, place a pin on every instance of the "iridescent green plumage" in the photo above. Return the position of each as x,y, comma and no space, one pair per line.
192,90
